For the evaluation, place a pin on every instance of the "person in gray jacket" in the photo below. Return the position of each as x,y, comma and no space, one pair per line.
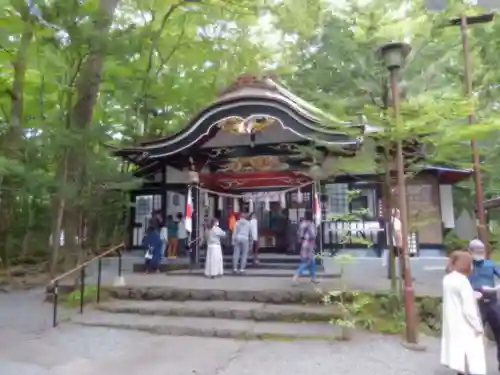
241,240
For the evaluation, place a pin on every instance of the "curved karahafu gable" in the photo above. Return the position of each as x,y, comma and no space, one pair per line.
256,110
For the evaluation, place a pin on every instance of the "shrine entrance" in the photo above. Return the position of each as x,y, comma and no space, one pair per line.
256,149
278,213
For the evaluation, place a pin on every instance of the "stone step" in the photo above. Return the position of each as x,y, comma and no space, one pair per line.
216,290
225,310
183,264
267,259
254,272
169,267
211,327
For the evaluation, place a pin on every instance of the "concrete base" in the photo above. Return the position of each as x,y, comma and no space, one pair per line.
119,281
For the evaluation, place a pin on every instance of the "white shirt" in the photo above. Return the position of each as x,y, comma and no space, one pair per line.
396,232
181,230
462,333
255,229
164,234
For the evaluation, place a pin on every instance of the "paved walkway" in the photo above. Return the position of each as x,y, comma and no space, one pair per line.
29,346
242,283
90,351
364,274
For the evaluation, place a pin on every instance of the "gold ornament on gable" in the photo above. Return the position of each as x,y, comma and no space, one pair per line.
249,125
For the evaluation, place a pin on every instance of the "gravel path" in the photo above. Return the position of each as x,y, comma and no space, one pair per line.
28,346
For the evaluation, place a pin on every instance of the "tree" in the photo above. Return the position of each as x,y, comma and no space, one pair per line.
78,76
337,69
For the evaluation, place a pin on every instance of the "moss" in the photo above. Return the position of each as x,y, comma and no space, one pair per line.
72,299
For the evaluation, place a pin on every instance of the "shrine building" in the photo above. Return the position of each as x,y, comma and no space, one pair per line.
260,148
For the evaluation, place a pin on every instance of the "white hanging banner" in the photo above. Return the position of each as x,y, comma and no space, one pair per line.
300,198
283,200
250,205
236,205
316,209
220,204
206,201
447,210
267,205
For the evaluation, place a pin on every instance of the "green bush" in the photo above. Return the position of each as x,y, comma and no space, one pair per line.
90,296
452,242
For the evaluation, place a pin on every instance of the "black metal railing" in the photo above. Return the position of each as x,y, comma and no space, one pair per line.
55,283
340,234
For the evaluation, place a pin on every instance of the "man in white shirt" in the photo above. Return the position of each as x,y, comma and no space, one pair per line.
397,242
397,232
255,236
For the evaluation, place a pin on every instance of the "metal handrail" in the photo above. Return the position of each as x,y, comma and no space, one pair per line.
54,283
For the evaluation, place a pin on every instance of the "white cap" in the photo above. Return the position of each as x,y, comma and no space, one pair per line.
476,244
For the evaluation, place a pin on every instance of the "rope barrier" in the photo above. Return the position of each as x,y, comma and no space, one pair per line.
243,195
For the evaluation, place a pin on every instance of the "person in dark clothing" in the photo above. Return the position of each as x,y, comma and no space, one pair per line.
154,247
482,280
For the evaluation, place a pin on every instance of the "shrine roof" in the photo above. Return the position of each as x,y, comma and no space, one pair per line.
253,110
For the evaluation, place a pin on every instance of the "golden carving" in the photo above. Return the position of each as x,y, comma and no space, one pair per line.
214,153
249,125
255,164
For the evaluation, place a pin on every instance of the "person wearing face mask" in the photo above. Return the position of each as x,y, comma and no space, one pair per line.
482,279
214,265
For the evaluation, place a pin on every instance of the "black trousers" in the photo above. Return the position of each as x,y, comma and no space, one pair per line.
490,314
398,252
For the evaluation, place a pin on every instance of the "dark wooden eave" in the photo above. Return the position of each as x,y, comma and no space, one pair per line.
267,99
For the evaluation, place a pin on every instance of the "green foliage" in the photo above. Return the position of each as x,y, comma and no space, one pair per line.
361,310
452,242
73,85
161,63
72,300
336,67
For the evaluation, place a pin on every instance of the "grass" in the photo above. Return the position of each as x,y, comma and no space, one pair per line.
72,300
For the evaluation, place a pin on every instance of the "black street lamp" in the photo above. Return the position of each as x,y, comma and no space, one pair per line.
393,55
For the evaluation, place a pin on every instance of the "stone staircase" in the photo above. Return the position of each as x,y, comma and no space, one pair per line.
267,262
274,315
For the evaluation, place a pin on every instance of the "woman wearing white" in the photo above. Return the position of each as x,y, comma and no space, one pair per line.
396,241
462,343
214,263
254,246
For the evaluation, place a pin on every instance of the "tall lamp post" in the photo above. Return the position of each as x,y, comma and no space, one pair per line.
463,22
393,55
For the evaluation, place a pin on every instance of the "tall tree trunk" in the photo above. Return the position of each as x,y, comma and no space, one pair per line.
11,141
58,206
25,244
87,88
388,206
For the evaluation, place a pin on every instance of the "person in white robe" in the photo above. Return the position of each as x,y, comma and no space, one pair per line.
214,263
254,246
462,341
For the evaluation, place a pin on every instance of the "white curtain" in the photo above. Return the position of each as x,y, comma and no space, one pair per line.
446,200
